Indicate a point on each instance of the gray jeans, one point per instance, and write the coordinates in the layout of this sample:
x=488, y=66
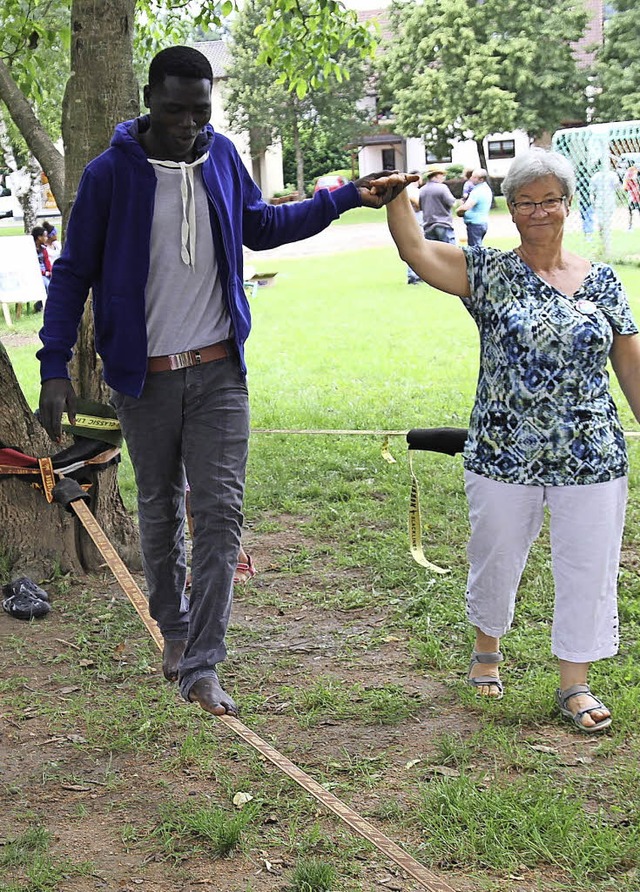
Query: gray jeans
x=193, y=420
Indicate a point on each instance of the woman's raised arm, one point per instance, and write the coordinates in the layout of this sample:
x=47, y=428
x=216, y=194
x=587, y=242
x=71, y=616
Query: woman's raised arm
x=437, y=263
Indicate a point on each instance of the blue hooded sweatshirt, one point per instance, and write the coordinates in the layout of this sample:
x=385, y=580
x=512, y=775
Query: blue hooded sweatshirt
x=107, y=249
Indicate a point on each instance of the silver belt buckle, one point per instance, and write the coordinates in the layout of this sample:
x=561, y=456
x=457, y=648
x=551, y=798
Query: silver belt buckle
x=181, y=360
x=184, y=360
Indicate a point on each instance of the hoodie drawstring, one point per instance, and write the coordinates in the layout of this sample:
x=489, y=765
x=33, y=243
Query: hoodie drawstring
x=187, y=191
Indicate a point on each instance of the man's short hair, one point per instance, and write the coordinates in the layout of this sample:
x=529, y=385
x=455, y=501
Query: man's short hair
x=37, y=231
x=179, y=61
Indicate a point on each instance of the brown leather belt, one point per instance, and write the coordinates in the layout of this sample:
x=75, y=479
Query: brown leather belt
x=189, y=358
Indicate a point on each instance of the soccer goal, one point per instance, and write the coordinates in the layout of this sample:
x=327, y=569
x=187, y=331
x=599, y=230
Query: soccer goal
x=606, y=207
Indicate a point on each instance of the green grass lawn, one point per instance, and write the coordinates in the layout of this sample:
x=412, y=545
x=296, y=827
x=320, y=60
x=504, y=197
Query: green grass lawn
x=342, y=343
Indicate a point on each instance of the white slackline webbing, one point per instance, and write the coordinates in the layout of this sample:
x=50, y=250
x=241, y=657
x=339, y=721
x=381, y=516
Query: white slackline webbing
x=129, y=586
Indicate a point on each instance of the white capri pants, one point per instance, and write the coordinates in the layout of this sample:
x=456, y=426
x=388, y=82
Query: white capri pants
x=586, y=536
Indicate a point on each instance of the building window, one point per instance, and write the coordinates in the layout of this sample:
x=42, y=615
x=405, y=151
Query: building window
x=388, y=159
x=431, y=157
x=501, y=148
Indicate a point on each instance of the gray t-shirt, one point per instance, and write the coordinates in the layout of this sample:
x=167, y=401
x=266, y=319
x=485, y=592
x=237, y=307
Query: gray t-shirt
x=185, y=309
x=436, y=201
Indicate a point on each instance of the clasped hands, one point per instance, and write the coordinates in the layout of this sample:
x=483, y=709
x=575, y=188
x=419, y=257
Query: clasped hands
x=378, y=189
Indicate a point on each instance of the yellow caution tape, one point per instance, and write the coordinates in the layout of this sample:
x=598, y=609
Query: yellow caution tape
x=415, y=525
x=386, y=452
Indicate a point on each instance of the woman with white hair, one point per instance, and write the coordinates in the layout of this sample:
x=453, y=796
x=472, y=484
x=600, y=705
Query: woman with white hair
x=544, y=430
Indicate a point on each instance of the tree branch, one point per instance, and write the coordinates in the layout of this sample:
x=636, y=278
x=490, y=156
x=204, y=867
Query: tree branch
x=36, y=137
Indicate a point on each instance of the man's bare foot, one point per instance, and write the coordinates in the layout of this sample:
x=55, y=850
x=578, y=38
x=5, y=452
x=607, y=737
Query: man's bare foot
x=171, y=656
x=484, y=675
x=211, y=697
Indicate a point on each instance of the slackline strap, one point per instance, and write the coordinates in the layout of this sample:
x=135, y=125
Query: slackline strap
x=93, y=421
x=415, y=524
x=390, y=849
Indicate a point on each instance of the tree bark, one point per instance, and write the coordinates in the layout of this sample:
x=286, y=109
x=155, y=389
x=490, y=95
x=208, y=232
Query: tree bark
x=298, y=151
x=101, y=91
x=27, y=198
x=481, y=154
x=34, y=536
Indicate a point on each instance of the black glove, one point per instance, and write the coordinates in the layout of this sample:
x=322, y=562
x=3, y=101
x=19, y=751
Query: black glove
x=384, y=193
x=56, y=395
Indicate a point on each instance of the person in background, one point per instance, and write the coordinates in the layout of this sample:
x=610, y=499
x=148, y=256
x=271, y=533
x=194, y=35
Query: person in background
x=40, y=240
x=156, y=233
x=50, y=229
x=603, y=189
x=53, y=247
x=544, y=429
x=468, y=185
x=413, y=191
x=631, y=186
x=436, y=202
x=475, y=209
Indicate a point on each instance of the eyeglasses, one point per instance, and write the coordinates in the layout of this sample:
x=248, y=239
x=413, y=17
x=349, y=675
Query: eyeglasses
x=526, y=208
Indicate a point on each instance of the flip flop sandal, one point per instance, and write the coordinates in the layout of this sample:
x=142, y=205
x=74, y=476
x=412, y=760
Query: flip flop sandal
x=576, y=717
x=244, y=571
x=486, y=680
x=21, y=599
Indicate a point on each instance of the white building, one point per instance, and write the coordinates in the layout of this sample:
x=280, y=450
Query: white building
x=265, y=167
x=499, y=150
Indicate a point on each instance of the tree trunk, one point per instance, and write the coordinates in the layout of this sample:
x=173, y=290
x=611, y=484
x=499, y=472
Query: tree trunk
x=298, y=153
x=36, y=137
x=27, y=197
x=34, y=536
x=481, y=154
x=101, y=91
x=483, y=164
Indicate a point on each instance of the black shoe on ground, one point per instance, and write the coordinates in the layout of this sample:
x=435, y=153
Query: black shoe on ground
x=23, y=599
x=24, y=584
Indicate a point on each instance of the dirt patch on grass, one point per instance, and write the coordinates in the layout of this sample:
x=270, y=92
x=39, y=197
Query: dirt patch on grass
x=101, y=752
x=18, y=339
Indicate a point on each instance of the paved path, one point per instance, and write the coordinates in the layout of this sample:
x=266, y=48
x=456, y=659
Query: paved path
x=356, y=236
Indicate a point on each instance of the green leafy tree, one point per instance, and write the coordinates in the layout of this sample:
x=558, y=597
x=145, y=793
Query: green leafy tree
x=321, y=155
x=464, y=69
x=307, y=42
x=618, y=66
x=258, y=102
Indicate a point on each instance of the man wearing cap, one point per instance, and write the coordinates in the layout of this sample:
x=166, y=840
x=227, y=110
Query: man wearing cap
x=436, y=202
x=475, y=209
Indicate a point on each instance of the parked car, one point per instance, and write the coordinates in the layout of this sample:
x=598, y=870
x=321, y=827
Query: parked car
x=6, y=203
x=330, y=182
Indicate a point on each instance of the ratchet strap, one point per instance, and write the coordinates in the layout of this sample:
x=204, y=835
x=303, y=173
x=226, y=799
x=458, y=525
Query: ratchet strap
x=449, y=440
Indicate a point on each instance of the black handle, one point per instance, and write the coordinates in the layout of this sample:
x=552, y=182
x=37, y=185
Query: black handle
x=449, y=440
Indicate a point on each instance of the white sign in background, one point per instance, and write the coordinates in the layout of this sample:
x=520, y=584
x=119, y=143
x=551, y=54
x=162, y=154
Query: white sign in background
x=20, y=276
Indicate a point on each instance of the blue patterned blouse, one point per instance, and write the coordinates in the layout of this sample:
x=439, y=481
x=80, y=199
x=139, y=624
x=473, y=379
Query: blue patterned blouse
x=543, y=413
